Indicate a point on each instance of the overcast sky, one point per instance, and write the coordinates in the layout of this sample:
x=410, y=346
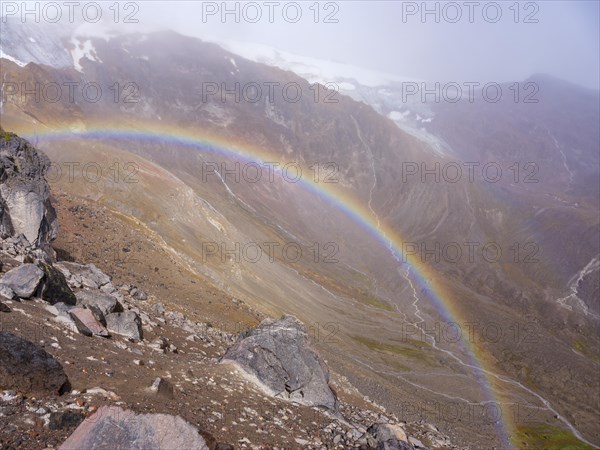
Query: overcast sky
x=554, y=37
x=456, y=41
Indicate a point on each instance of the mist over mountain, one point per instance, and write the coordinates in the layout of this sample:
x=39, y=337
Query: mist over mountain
x=436, y=242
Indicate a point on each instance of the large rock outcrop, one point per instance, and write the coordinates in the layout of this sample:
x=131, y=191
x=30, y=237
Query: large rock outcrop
x=277, y=355
x=113, y=428
x=25, y=207
x=54, y=287
x=26, y=367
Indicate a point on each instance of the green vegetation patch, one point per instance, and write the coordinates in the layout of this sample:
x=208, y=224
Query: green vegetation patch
x=543, y=436
x=374, y=301
x=413, y=349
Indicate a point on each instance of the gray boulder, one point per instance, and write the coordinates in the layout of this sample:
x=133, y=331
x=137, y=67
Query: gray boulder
x=126, y=324
x=23, y=280
x=114, y=428
x=278, y=356
x=104, y=302
x=25, y=206
x=26, y=367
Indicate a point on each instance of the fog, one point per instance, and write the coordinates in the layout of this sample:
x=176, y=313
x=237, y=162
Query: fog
x=455, y=41
x=435, y=41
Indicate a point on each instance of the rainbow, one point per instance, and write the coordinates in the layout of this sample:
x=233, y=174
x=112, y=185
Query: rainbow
x=352, y=207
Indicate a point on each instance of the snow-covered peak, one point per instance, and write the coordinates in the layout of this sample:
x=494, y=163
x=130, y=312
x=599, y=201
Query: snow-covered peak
x=312, y=69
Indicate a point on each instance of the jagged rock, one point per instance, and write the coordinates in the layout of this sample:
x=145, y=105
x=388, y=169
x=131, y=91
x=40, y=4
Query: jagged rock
x=25, y=206
x=27, y=367
x=112, y=427
x=54, y=286
x=108, y=288
x=87, y=275
x=86, y=323
x=278, y=357
x=126, y=324
x=105, y=303
x=160, y=344
x=162, y=388
x=389, y=437
x=4, y=308
x=61, y=420
x=23, y=280
x=7, y=292
x=139, y=295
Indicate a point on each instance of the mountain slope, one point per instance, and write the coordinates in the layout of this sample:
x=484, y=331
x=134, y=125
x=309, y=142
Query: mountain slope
x=366, y=297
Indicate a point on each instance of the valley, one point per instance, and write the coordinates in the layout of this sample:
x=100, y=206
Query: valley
x=357, y=235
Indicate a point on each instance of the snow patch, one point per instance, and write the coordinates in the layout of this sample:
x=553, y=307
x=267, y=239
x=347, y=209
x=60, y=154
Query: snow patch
x=397, y=115
x=10, y=58
x=83, y=49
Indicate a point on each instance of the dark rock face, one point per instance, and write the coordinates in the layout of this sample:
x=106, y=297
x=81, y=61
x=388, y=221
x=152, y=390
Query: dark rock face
x=26, y=367
x=126, y=324
x=278, y=355
x=55, y=288
x=4, y=308
x=60, y=420
x=24, y=194
x=113, y=428
x=23, y=280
